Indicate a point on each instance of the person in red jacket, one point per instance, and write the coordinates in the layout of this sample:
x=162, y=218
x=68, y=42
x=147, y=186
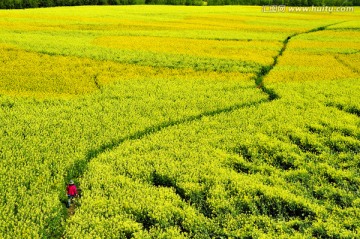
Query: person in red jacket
x=71, y=191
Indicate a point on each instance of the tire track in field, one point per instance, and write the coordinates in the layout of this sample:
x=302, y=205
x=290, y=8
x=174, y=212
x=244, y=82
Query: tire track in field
x=79, y=167
x=353, y=110
x=344, y=63
x=96, y=82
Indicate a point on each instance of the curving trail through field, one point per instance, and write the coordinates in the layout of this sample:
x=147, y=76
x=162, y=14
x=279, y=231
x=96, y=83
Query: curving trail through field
x=259, y=79
x=79, y=167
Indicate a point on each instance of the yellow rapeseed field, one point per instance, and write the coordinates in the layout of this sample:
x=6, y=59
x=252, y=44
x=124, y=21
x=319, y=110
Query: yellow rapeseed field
x=179, y=122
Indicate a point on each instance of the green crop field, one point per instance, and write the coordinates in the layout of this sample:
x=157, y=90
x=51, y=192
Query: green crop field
x=179, y=122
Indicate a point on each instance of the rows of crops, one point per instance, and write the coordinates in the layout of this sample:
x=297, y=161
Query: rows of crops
x=155, y=113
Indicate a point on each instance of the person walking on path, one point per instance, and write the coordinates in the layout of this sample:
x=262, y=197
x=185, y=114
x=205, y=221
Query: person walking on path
x=71, y=191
